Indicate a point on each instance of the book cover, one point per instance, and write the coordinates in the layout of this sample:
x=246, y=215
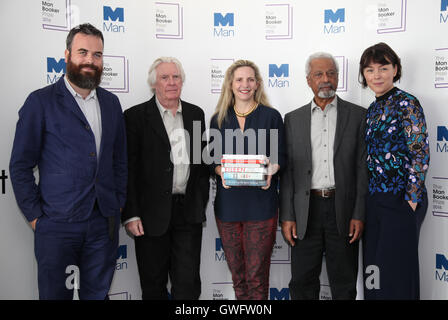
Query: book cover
x=243, y=176
x=245, y=183
x=260, y=169
x=244, y=158
x=243, y=165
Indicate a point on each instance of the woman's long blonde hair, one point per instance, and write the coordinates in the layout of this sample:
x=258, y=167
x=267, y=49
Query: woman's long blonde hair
x=227, y=98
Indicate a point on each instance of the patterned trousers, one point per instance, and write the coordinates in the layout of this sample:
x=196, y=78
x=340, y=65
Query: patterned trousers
x=248, y=248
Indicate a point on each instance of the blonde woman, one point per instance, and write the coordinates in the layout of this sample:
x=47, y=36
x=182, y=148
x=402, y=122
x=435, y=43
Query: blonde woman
x=247, y=216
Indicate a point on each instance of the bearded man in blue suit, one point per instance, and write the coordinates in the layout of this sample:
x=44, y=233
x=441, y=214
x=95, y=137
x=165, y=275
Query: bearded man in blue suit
x=74, y=132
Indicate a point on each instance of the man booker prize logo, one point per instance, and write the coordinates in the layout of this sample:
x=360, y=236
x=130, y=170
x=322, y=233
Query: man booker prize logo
x=113, y=20
x=440, y=197
x=278, y=21
x=276, y=294
x=223, y=25
x=441, y=268
x=58, y=14
x=442, y=138
x=169, y=21
x=441, y=68
x=334, y=21
x=278, y=76
x=219, y=251
x=443, y=11
x=122, y=256
x=55, y=69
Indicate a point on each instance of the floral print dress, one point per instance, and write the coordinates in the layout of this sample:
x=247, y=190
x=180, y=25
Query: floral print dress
x=397, y=145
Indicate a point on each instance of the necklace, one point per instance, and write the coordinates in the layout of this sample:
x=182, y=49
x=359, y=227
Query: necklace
x=245, y=114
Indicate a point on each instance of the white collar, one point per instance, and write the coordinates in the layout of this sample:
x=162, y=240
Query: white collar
x=75, y=94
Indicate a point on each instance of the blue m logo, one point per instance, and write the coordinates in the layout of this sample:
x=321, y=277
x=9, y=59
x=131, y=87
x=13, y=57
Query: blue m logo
x=338, y=16
x=113, y=15
x=441, y=262
x=56, y=66
x=282, y=71
x=442, y=133
x=220, y=20
x=443, y=5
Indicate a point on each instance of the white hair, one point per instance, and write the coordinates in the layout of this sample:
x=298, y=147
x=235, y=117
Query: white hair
x=152, y=73
x=319, y=55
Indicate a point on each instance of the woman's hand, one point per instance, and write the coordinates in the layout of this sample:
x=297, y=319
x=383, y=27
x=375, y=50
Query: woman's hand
x=218, y=171
x=272, y=169
x=413, y=205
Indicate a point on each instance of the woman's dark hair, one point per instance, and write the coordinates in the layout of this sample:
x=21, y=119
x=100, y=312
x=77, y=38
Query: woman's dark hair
x=379, y=53
x=85, y=28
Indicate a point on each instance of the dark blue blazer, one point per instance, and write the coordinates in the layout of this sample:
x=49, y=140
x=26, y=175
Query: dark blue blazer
x=53, y=134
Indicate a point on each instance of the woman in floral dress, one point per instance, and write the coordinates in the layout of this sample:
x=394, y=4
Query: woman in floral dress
x=398, y=159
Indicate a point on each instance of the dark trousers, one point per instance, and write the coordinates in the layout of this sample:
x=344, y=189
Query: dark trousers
x=341, y=257
x=176, y=254
x=62, y=248
x=391, y=245
x=248, y=248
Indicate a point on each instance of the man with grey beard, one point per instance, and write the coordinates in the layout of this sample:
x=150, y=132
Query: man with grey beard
x=323, y=187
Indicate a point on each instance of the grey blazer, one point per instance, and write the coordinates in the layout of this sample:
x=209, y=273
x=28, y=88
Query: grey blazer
x=349, y=161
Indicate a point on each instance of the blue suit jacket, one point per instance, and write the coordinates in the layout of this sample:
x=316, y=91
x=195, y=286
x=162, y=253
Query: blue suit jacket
x=53, y=134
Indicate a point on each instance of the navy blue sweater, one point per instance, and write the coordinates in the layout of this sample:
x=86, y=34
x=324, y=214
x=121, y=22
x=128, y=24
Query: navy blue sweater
x=248, y=203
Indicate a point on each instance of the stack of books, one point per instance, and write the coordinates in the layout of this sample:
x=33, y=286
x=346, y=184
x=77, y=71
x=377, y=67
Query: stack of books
x=244, y=170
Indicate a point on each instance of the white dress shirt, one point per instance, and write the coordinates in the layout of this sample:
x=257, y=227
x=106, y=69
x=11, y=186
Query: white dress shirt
x=323, y=129
x=174, y=126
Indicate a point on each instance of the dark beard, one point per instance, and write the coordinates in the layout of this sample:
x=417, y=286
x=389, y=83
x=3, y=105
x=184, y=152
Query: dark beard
x=83, y=80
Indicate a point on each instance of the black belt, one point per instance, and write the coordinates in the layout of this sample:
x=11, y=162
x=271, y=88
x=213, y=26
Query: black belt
x=178, y=197
x=323, y=193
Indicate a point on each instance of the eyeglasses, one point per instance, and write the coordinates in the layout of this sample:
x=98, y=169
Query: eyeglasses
x=332, y=74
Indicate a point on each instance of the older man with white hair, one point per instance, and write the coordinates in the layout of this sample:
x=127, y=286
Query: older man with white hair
x=168, y=186
x=324, y=185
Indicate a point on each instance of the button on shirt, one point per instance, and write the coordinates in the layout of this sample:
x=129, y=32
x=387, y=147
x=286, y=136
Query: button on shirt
x=323, y=129
x=90, y=107
x=174, y=127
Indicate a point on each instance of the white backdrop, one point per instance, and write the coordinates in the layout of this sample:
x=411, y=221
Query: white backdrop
x=207, y=35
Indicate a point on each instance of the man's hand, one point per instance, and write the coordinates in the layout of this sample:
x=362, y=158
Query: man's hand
x=135, y=227
x=356, y=229
x=289, y=230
